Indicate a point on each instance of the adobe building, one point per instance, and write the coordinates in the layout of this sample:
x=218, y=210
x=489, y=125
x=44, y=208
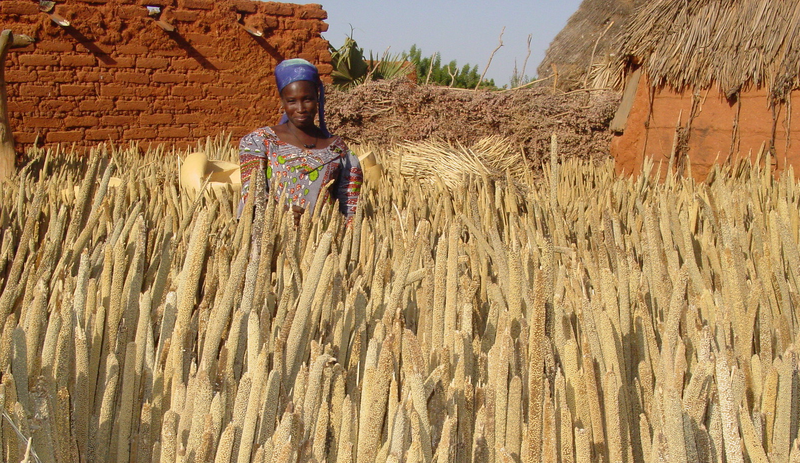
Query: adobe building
x=151, y=71
x=723, y=74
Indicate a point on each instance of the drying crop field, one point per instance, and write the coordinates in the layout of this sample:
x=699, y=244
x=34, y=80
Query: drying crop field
x=573, y=317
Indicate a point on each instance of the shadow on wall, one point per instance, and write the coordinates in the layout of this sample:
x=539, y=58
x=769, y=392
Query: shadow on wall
x=91, y=46
x=191, y=51
x=268, y=48
x=179, y=40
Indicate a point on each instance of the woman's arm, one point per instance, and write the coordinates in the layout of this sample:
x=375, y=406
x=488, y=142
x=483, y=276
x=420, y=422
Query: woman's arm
x=348, y=185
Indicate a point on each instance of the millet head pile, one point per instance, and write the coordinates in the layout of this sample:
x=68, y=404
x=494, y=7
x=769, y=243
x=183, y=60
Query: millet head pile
x=583, y=317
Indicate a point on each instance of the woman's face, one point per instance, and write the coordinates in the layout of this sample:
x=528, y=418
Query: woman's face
x=299, y=100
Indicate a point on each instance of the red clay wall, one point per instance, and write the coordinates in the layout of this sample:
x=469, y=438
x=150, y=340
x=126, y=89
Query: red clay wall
x=650, y=130
x=116, y=75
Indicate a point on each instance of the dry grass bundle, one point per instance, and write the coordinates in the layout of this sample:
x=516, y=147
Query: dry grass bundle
x=453, y=163
x=588, y=317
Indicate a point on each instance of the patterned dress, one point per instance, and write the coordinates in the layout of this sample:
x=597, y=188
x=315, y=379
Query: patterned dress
x=303, y=173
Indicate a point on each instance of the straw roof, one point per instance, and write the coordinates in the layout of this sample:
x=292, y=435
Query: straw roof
x=733, y=44
x=573, y=49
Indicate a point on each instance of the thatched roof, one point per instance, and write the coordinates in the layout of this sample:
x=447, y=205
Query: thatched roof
x=732, y=44
x=573, y=49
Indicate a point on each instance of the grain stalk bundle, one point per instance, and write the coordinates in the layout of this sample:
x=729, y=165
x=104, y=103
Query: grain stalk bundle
x=483, y=318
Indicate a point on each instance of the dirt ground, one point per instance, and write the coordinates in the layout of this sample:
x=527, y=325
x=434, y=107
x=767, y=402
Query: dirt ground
x=383, y=112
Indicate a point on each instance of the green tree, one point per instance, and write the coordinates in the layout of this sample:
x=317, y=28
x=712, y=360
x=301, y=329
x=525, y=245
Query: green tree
x=445, y=74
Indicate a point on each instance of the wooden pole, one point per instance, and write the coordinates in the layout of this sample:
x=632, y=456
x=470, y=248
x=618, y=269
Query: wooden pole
x=7, y=156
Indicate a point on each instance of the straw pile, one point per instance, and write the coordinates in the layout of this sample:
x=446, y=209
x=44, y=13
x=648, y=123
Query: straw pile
x=437, y=161
x=584, y=317
x=727, y=43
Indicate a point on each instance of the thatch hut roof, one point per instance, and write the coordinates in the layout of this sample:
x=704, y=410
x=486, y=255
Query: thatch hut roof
x=733, y=44
x=573, y=49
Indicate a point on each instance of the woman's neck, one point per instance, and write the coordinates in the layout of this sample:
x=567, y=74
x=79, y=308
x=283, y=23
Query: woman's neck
x=310, y=137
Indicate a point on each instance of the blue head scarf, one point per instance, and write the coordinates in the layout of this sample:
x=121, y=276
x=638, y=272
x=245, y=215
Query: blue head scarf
x=293, y=70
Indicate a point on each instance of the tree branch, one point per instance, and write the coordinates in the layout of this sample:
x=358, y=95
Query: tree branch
x=452, y=75
x=490, y=58
x=525, y=63
x=430, y=68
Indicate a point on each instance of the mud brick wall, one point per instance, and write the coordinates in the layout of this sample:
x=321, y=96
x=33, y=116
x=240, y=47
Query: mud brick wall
x=719, y=130
x=115, y=75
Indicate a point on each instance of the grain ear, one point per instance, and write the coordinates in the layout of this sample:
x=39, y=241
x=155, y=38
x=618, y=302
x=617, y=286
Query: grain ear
x=480, y=317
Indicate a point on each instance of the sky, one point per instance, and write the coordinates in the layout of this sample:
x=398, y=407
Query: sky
x=466, y=31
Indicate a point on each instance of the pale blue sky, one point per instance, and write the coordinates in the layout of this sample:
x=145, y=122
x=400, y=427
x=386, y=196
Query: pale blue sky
x=466, y=31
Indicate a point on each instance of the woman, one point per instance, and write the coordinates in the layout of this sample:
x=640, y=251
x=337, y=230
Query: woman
x=298, y=156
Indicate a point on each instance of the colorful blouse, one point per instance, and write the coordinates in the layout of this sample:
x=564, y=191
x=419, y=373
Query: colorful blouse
x=302, y=172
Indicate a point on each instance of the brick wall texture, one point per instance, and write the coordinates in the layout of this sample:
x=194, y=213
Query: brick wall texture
x=116, y=75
